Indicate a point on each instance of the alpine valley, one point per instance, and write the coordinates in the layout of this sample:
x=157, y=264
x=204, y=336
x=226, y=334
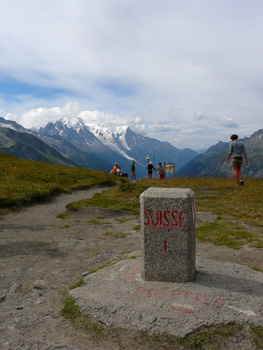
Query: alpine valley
x=74, y=142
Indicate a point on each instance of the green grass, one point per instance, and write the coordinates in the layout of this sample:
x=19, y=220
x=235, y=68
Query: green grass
x=63, y=216
x=237, y=207
x=23, y=181
x=115, y=234
x=64, y=226
x=227, y=233
x=255, y=268
x=257, y=335
x=219, y=196
x=94, y=222
x=72, y=311
x=77, y=284
x=125, y=196
x=122, y=220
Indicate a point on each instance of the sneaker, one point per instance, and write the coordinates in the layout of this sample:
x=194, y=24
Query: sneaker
x=241, y=182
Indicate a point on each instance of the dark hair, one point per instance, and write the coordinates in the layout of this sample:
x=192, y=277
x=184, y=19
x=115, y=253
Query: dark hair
x=234, y=137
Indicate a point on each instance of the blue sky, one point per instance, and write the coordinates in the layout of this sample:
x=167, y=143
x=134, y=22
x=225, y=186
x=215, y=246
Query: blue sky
x=188, y=72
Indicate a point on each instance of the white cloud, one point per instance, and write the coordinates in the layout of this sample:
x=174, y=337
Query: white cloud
x=162, y=127
x=188, y=131
x=119, y=60
x=41, y=116
x=97, y=117
x=199, y=116
x=229, y=123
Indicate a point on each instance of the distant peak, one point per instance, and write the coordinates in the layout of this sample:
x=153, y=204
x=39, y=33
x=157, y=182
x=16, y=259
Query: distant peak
x=72, y=121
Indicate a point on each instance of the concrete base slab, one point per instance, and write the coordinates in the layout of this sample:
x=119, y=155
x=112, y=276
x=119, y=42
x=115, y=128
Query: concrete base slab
x=221, y=293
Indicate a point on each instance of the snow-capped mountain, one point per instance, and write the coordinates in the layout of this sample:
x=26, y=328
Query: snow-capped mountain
x=112, y=137
x=116, y=143
x=82, y=137
x=99, y=146
x=90, y=136
x=72, y=129
x=74, y=142
x=22, y=143
x=4, y=123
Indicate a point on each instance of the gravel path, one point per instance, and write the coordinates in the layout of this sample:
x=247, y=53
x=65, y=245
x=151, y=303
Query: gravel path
x=41, y=255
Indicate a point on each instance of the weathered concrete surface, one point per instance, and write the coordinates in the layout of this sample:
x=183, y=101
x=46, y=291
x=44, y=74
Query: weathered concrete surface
x=221, y=293
x=168, y=234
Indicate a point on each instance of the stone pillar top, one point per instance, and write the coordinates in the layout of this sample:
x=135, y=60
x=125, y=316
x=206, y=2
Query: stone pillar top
x=157, y=192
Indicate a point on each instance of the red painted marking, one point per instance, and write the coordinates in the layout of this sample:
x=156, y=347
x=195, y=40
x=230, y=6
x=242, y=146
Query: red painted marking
x=186, y=293
x=166, y=219
x=175, y=224
x=148, y=220
x=165, y=245
x=182, y=219
x=191, y=297
x=218, y=300
x=206, y=300
x=194, y=208
x=187, y=311
x=174, y=294
x=140, y=289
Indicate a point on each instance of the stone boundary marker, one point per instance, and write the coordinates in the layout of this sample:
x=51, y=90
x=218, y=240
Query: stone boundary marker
x=168, y=234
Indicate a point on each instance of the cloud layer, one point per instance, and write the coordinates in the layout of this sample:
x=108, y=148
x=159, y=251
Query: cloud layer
x=188, y=72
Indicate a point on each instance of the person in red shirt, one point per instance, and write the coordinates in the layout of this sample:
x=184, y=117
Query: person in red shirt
x=161, y=171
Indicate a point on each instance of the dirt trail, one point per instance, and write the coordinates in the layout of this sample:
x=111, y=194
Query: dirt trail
x=42, y=255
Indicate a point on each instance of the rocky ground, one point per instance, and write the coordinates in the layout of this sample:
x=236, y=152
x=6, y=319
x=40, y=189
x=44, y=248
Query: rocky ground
x=43, y=254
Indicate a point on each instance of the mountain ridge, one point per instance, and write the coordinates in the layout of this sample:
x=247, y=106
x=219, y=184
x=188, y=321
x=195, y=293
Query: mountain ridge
x=27, y=146
x=117, y=144
x=99, y=146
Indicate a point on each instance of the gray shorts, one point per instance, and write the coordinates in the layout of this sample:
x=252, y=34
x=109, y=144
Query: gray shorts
x=237, y=162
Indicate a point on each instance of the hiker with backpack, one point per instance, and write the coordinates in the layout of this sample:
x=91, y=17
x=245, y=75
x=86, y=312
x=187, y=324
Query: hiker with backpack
x=150, y=169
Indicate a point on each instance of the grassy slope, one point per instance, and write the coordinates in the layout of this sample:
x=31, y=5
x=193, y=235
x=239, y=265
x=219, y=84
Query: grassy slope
x=22, y=181
x=239, y=208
